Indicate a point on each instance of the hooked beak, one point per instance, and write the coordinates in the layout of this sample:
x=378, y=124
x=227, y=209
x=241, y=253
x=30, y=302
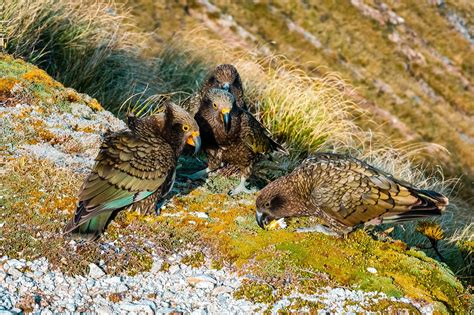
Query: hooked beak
x=226, y=86
x=195, y=140
x=261, y=219
x=225, y=116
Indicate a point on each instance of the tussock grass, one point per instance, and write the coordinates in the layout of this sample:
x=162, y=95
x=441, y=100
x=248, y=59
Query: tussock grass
x=93, y=47
x=306, y=112
x=88, y=45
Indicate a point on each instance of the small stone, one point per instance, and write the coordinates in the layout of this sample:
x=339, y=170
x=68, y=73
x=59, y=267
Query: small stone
x=174, y=269
x=151, y=304
x=136, y=307
x=204, y=285
x=104, y=310
x=46, y=311
x=199, y=312
x=38, y=273
x=201, y=215
x=222, y=289
x=372, y=270
x=71, y=307
x=95, y=271
x=15, y=273
x=120, y=288
x=199, y=278
x=165, y=310
x=156, y=267
x=113, y=280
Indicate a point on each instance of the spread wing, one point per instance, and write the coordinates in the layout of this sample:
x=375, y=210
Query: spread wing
x=257, y=137
x=353, y=192
x=127, y=170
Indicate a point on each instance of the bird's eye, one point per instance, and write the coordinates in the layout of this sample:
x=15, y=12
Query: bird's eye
x=185, y=128
x=267, y=205
x=214, y=105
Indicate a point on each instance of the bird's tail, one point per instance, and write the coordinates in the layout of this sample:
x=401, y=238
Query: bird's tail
x=430, y=204
x=91, y=229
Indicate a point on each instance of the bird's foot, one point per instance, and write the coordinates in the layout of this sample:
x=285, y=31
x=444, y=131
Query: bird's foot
x=159, y=204
x=198, y=175
x=241, y=188
x=319, y=229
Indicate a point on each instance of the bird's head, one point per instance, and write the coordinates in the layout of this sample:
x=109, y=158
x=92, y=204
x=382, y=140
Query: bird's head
x=220, y=104
x=277, y=200
x=181, y=128
x=225, y=77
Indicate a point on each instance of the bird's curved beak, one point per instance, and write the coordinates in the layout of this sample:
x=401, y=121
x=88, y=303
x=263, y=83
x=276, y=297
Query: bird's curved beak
x=225, y=116
x=261, y=219
x=195, y=140
x=226, y=86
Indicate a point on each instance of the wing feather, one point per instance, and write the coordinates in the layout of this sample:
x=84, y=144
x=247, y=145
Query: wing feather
x=354, y=192
x=123, y=174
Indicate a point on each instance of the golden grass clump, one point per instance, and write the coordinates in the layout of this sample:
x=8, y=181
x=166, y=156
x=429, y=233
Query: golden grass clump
x=431, y=230
x=306, y=112
x=89, y=45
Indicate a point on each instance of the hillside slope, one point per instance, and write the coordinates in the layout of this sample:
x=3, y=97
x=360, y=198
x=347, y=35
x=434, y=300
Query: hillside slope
x=50, y=135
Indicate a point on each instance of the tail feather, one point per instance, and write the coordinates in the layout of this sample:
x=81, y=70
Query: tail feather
x=430, y=201
x=430, y=204
x=91, y=229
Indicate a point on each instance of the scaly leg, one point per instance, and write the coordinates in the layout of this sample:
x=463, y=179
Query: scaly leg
x=241, y=188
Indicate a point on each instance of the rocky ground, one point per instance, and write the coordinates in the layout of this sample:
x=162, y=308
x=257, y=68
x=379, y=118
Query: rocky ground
x=34, y=286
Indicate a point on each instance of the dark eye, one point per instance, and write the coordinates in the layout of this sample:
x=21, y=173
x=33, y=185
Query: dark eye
x=214, y=105
x=185, y=128
x=267, y=204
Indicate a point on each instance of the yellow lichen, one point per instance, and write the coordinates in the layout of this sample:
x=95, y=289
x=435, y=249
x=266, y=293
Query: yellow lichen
x=256, y=292
x=95, y=105
x=40, y=76
x=195, y=260
x=6, y=84
x=72, y=96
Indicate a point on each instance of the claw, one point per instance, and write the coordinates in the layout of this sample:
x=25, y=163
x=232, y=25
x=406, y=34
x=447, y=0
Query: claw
x=159, y=204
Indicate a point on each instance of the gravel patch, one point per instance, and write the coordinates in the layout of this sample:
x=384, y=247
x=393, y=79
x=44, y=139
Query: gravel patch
x=181, y=289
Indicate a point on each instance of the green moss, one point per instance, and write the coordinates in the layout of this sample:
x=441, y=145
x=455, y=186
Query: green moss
x=195, y=260
x=300, y=305
x=165, y=266
x=255, y=292
x=390, y=307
